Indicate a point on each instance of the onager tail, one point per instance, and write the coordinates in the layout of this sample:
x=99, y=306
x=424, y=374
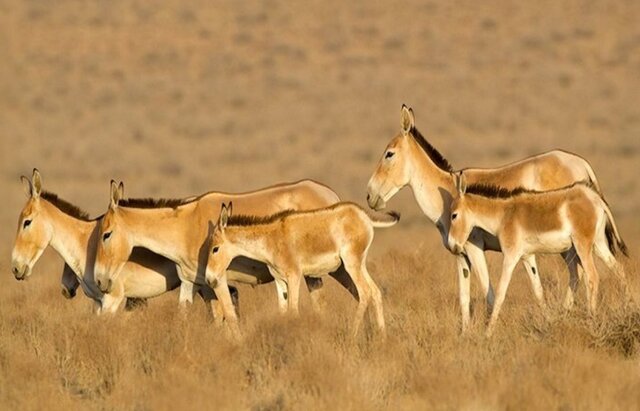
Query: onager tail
x=380, y=220
x=592, y=178
x=611, y=231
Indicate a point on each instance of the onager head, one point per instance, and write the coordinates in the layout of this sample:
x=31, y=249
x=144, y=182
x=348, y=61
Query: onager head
x=221, y=251
x=114, y=245
x=34, y=230
x=393, y=171
x=461, y=219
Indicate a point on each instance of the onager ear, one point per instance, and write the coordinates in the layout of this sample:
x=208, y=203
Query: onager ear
x=224, y=217
x=116, y=192
x=120, y=191
x=37, y=184
x=461, y=183
x=407, y=120
x=230, y=208
x=28, y=187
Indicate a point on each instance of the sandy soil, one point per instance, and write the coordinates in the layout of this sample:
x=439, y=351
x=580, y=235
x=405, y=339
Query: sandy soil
x=188, y=97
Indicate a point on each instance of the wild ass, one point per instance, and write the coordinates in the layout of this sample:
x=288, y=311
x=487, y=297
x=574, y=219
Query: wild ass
x=47, y=220
x=295, y=245
x=410, y=160
x=178, y=229
x=573, y=221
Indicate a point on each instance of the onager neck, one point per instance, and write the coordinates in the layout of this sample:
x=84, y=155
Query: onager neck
x=72, y=240
x=164, y=231
x=431, y=185
x=487, y=213
x=251, y=241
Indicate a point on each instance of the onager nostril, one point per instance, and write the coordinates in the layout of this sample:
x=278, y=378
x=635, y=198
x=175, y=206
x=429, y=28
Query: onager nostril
x=14, y=270
x=368, y=197
x=99, y=283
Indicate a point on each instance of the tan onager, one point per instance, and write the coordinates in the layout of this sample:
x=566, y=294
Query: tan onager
x=409, y=160
x=299, y=244
x=573, y=221
x=46, y=219
x=179, y=229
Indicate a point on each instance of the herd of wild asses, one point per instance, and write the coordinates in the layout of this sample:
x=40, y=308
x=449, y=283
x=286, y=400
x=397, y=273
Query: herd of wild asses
x=300, y=232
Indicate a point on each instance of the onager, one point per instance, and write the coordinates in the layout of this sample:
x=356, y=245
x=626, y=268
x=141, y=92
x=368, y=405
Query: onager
x=573, y=221
x=47, y=220
x=298, y=244
x=178, y=230
x=409, y=160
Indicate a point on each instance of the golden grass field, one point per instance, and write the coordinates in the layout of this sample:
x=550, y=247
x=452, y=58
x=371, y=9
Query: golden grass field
x=184, y=97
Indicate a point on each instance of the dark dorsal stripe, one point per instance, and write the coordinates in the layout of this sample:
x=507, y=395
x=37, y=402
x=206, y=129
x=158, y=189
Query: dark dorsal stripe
x=493, y=191
x=154, y=202
x=435, y=156
x=65, y=206
x=247, y=220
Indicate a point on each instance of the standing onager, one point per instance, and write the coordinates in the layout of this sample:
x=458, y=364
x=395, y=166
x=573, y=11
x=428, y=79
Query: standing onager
x=178, y=230
x=48, y=220
x=298, y=244
x=410, y=160
x=572, y=221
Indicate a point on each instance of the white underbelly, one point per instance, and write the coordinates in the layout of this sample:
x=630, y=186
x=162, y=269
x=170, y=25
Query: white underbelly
x=148, y=286
x=549, y=242
x=321, y=265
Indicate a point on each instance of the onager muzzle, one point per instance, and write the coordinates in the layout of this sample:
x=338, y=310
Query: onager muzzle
x=105, y=286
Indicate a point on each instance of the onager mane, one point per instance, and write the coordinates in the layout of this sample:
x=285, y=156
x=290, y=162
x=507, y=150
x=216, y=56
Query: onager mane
x=249, y=220
x=155, y=202
x=431, y=151
x=65, y=206
x=493, y=191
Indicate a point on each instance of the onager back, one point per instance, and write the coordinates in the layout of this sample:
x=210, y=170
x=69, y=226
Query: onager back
x=305, y=243
x=572, y=221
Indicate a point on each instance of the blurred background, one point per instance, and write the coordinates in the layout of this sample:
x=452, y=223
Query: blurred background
x=186, y=97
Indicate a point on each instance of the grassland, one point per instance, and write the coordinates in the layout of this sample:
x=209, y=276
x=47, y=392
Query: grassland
x=181, y=98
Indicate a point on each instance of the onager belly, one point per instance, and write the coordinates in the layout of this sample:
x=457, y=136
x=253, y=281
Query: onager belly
x=548, y=242
x=247, y=271
x=148, y=284
x=321, y=264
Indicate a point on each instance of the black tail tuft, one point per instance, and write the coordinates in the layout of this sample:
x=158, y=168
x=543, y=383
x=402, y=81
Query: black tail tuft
x=611, y=241
x=394, y=214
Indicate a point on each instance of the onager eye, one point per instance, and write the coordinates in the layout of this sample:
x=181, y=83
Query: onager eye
x=215, y=249
x=106, y=236
x=454, y=216
x=26, y=224
x=389, y=154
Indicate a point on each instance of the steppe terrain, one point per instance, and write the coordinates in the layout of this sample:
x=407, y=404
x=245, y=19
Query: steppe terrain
x=181, y=97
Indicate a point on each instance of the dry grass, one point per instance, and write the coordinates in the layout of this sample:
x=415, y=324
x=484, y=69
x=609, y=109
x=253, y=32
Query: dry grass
x=177, y=98
x=153, y=358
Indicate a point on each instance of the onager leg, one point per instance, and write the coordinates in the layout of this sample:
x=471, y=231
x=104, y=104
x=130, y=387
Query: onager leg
x=376, y=296
x=209, y=298
x=534, y=277
x=603, y=251
x=586, y=256
x=314, y=285
x=222, y=293
x=293, y=285
x=112, y=301
x=186, y=293
x=475, y=253
x=572, y=260
x=69, y=282
x=508, y=264
x=354, y=267
x=464, y=290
